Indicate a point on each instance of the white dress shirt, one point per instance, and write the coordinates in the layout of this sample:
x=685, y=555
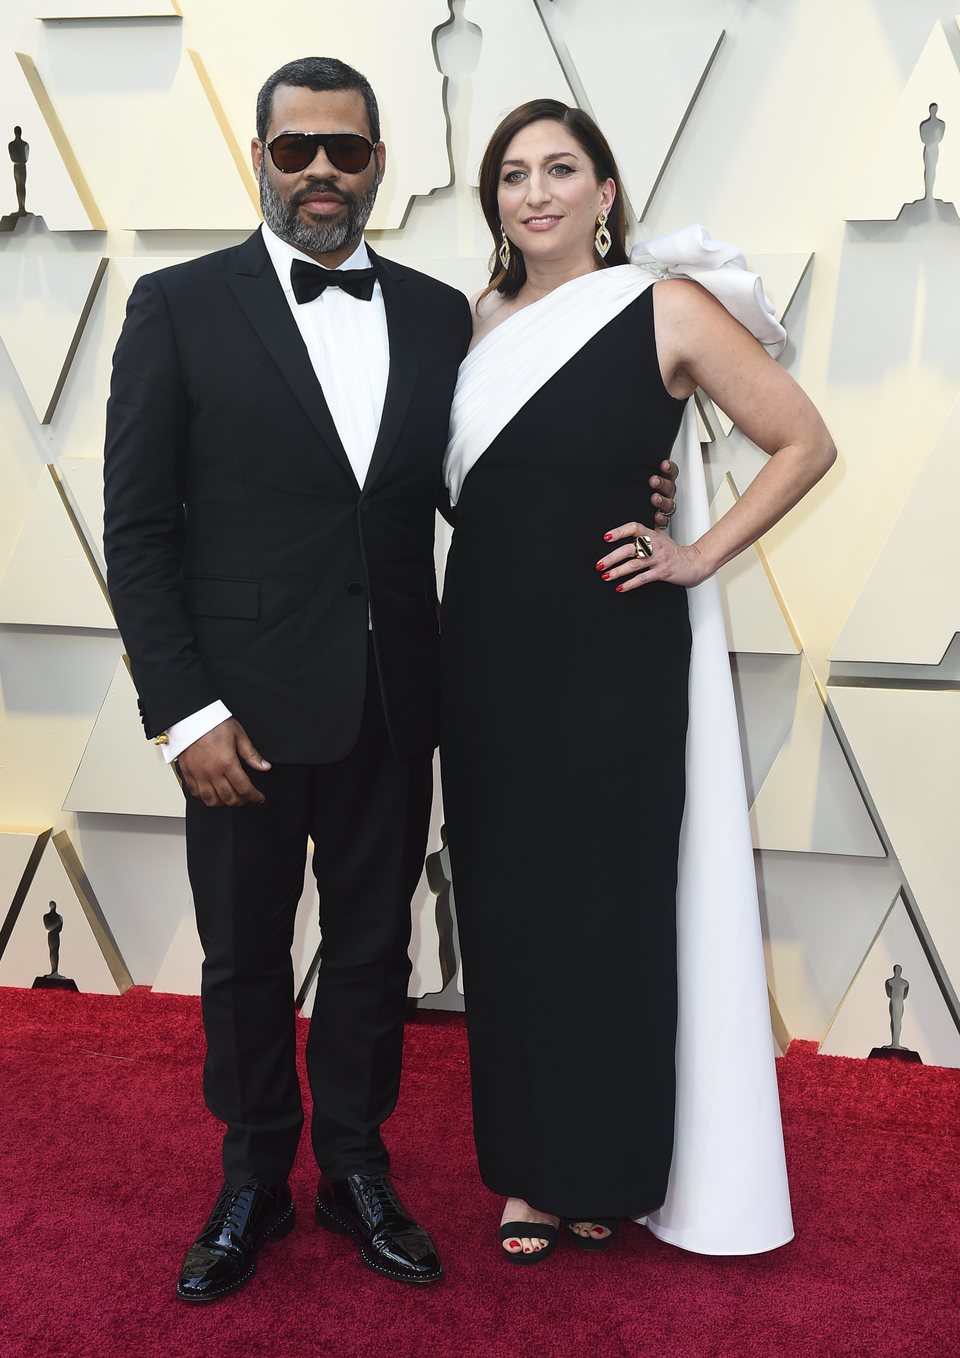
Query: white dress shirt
x=346, y=340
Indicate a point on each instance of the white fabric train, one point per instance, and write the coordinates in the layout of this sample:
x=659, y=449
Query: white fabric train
x=728, y=1190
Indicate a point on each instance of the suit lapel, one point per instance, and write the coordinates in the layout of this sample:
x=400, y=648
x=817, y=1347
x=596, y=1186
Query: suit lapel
x=403, y=363
x=256, y=287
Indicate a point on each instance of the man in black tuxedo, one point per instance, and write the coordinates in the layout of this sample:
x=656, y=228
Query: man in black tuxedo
x=274, y=440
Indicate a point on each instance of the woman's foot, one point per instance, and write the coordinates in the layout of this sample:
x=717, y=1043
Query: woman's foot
x=516, y=1211
x=590, y=1230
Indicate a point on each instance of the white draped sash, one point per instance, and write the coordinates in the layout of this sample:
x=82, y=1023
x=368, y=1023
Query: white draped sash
x=728, y=1190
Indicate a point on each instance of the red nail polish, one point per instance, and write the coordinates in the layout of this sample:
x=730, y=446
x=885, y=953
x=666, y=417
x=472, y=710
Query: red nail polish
x=601, y=565
x=606, y=575
x=608, y=537
x=619, y=589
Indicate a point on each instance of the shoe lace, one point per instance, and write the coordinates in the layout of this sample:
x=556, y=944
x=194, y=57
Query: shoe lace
x=380, y=1191
x=232, y=1208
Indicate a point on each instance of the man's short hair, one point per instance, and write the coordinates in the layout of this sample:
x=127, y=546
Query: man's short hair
x=317, y=73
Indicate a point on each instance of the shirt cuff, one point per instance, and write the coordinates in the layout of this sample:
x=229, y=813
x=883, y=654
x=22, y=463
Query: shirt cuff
x=185, y=732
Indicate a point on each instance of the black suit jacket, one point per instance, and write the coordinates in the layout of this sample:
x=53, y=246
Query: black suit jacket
x=242, y=556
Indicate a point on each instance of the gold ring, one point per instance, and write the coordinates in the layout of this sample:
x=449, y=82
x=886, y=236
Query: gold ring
x=643, y=546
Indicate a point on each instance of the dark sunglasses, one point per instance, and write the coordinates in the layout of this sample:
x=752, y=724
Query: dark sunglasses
x=346, y=151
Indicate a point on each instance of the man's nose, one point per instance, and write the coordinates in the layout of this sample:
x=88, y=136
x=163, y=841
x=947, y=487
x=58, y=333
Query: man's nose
x=320, y=167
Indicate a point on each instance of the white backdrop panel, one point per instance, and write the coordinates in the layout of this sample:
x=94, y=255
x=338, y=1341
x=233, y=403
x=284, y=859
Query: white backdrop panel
x=501, y=82
x=643, y=116
x=105, y=9
x=907, y=745
x=48, y=580
x=809, y=801
x=192, y=177
x=916, y=579
x=45, y=298
x=120, y=771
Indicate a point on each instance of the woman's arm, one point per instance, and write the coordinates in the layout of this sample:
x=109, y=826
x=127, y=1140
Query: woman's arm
x=699, y=344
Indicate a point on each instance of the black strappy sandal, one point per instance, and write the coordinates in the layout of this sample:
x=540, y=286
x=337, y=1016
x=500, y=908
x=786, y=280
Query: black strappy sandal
x=592, y=1242
x=533, y=1230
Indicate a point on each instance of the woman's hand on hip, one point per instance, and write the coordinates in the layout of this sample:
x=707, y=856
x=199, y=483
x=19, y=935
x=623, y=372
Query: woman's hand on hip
x=627, y=566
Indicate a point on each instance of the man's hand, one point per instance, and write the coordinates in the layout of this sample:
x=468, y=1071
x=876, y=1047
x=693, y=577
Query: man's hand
x=664, y=487
x=212, y=770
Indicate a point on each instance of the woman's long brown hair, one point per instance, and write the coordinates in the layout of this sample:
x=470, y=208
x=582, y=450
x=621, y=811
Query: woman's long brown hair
x=588, y=136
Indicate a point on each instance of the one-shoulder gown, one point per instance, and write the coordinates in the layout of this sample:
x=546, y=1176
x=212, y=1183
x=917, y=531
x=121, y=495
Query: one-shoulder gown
x=563, y=745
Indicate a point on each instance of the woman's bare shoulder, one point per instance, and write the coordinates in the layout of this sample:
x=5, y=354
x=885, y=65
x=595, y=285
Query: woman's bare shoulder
x=488, y=309
x=682, y=302
x=485, y=305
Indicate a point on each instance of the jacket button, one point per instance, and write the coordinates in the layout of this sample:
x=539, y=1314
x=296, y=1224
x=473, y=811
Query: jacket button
x=355, y=587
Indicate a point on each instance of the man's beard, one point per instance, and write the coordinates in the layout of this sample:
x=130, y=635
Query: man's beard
x=318, y=237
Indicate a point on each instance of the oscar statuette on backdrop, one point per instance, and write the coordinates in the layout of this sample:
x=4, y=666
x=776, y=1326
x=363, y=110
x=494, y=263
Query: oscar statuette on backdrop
x=897, y=988
x=19, y=152
x=53, y=923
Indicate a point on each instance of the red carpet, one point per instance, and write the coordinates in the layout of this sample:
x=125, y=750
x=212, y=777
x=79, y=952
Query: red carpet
x=110, y=1165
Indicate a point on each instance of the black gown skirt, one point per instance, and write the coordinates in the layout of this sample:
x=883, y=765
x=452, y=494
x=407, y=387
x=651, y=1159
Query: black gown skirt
x=563, y=743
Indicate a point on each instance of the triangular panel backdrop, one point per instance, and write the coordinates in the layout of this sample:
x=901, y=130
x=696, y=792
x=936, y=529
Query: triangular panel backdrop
x=848, y=710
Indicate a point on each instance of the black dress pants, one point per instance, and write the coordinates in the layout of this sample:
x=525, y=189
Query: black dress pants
x=368, y=816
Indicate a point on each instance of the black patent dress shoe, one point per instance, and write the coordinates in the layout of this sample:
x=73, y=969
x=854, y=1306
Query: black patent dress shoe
x=366, y=1207
x=224, y=1255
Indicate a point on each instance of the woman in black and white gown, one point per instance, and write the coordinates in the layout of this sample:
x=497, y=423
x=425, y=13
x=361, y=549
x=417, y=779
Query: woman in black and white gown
x=566, y=624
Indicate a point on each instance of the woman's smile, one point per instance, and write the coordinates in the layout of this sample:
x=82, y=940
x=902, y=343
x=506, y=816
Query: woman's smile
x=541, y=223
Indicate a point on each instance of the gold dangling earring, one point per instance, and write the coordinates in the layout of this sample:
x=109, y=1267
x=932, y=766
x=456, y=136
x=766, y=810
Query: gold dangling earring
x=504, y=251
x=603, y=239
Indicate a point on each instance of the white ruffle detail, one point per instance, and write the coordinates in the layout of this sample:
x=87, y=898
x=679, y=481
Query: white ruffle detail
x=692, y=253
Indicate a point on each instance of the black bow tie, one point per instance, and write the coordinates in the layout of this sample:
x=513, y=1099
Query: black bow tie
x=309, y=280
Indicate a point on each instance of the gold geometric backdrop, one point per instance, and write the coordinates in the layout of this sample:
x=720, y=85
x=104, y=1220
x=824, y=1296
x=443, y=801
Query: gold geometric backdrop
x=823, y=140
